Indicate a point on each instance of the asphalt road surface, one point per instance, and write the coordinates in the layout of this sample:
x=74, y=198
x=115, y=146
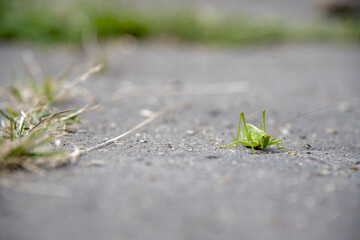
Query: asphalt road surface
x=169, y=180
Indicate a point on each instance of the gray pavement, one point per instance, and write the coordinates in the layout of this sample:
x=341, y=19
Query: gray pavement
x=169, y=180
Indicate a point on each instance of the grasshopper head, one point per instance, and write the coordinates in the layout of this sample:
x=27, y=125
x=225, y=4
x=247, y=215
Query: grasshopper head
x=264, y=141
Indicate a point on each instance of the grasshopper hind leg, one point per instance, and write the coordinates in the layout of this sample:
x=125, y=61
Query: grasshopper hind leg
x=231, y=144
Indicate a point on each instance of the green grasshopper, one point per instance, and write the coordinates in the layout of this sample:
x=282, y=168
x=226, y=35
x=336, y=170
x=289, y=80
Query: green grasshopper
x=254, y=137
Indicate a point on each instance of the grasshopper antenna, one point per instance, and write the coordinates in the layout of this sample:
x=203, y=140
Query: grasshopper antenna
x=303, y=114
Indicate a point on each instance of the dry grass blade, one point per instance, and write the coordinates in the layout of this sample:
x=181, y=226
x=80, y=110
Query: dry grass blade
x=50, y=117
x=151, y=118
x=80, y=111
x=78, y=80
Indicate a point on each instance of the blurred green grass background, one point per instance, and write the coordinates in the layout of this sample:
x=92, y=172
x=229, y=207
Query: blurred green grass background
x=70, y=21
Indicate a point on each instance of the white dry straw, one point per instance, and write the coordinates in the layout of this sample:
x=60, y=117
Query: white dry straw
x=78, y=80
x=151, y=118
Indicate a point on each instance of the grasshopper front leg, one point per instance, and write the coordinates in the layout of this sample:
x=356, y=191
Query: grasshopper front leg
x=276, y=141
x=262, y=122
x=248, y=136
x=236, y=143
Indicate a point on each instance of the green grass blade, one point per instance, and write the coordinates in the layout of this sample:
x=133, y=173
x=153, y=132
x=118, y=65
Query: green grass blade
x=11, y=112
x=5, y=115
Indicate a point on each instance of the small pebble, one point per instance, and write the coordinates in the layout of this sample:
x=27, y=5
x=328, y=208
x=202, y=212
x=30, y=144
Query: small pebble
x=190, y=132
x=308, y=146
x=323, y=173
x=330, y=131
x=57, y=142
x=355, y=168
x=146, y=112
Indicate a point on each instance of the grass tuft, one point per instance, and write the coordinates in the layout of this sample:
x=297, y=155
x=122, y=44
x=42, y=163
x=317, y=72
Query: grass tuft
x=27, y=131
